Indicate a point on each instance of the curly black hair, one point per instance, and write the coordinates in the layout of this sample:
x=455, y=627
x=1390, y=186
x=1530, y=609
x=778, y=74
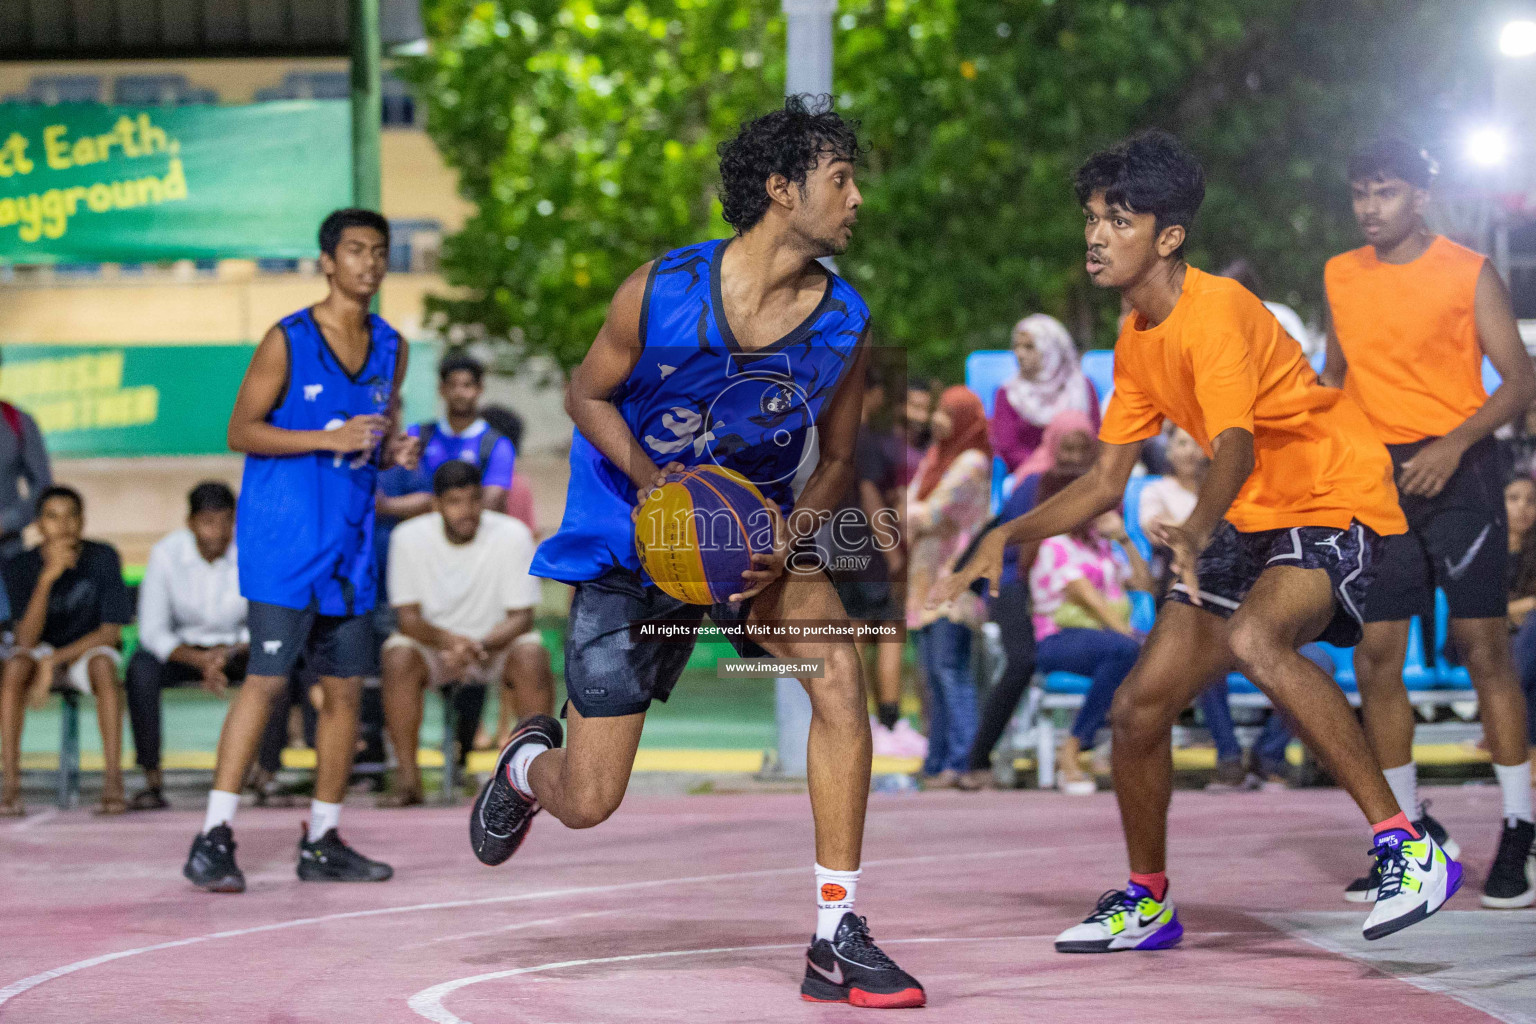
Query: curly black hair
x=1148, y=173
x=788, y=141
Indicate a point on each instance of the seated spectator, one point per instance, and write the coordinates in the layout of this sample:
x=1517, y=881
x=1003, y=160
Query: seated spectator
x=1069, y=446
x=1521, y=444
x=1049, y=382
x=1520, y=506
x=191, y=624
x=1169, y=500
x=73, y=608
x=459, y=583
x=946, y=503
x=1083, y=625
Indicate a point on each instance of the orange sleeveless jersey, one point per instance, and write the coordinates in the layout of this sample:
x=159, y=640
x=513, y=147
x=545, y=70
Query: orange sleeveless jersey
x=1409, y=335
x=1221, y=360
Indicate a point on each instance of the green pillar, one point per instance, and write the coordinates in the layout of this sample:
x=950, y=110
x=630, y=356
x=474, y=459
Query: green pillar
x=367, y=103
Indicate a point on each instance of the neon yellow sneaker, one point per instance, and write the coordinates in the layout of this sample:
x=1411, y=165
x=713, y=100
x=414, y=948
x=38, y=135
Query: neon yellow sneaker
x=1416, y=880
x=1126, y=918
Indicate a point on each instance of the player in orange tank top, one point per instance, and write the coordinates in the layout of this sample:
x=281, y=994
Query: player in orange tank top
x=1275, y=555
x=1412, y=315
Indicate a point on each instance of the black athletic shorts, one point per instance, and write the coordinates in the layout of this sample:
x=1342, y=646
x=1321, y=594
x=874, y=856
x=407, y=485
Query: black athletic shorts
x=332, y=645
x=1457, y=540
x=608, y=671
x=1232, y=562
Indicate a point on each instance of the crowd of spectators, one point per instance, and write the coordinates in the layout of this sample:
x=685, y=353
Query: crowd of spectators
x=455, y=538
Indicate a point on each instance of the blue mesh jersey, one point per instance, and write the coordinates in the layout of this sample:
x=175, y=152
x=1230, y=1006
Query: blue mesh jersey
x=305, y=522
x=696, y=397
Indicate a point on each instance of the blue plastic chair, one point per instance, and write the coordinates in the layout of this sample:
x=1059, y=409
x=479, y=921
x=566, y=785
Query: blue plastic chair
x=1131, y=512
x=1452, y=677
x=1099, y=368
x=1067, y=682
x=985, y=372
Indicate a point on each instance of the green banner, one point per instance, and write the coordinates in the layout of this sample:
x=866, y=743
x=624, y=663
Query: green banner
x=151, y=399
x=89, y=183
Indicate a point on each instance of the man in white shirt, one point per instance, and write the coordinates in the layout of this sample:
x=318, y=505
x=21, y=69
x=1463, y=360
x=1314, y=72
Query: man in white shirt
x=191, y=623
x=459, y=583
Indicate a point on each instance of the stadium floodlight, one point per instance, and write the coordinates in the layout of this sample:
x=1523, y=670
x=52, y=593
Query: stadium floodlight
x=1488, y=147
x=1518, y=39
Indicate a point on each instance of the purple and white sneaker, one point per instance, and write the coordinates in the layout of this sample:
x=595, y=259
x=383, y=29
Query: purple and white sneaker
x=1126, y=918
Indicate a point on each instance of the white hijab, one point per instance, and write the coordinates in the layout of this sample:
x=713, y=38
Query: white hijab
x=1060, y=385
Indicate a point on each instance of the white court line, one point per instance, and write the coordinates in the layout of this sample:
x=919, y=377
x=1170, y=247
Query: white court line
x=16, y=988
x=1461, y=994
x=519, y=927
x=428, y=1002
x=33, y=820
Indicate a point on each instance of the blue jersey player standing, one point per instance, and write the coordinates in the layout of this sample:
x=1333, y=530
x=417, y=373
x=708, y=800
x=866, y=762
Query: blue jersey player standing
x=728, y=352
x=315, y=417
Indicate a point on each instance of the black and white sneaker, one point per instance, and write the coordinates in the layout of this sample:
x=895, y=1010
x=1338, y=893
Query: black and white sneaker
x=499, y=820
x=211, y=862
x=328, y=859
x=852, y=969
x=1425, y=823
x=1365, y=888
x=1511, y=881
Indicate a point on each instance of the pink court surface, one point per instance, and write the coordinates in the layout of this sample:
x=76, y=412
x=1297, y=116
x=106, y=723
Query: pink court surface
x=697, y=908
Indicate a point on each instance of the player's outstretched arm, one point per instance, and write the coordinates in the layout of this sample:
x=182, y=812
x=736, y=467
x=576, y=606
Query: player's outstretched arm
x=607, y=365
x=1095, y=492
x=262, y=390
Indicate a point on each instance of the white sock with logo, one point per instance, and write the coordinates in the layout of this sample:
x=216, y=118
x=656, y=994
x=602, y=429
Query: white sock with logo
x=517, y=768
x=1515, y=785
x=834, y=898
x=1404, y=782
x=322, y=818
x=221, y=809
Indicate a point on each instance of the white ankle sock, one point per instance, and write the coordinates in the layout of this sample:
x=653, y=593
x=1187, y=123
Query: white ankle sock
x=834, y=898
x=221, y=809
x=1404, y=781
x=517, y=768
x=1515, y=785
x=322, y=818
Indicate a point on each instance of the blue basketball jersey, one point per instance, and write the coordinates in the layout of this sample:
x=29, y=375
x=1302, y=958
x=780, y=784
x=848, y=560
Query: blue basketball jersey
x=696, y=397
x=305, y=522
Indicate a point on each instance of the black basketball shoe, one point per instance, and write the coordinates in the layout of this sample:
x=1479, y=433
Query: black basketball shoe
x=852, y=969
x=328, y=859
x=499, y=820
x=211, y=863
x=1512, y=879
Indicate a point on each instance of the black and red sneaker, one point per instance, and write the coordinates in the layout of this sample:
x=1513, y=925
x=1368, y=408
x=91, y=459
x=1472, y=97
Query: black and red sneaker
x=852, y=969
x=499, y=820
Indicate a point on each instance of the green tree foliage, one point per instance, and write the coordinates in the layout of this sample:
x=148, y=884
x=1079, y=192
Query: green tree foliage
x=585, y=130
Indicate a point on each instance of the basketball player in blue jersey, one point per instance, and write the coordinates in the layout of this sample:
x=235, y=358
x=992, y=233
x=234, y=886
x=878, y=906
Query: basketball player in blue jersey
x=729, y=352
x=315, y=417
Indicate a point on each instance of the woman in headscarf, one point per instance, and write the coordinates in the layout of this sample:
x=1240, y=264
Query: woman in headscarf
x=1050, y=382
x=945, y=504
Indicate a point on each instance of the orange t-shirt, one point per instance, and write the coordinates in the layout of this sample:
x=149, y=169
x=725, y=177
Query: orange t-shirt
x=1222, y=360
x=1409, y=335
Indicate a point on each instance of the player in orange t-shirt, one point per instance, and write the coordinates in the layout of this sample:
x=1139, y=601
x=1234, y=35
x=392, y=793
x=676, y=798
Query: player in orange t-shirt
x=1275, y=555
x=1412, y=314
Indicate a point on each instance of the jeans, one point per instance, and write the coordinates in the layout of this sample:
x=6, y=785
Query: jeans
x=1524, y=646
x=1104, y=656
x=1010, y=610
x=945, y=650
x=1269, y=748
x=145, y=678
